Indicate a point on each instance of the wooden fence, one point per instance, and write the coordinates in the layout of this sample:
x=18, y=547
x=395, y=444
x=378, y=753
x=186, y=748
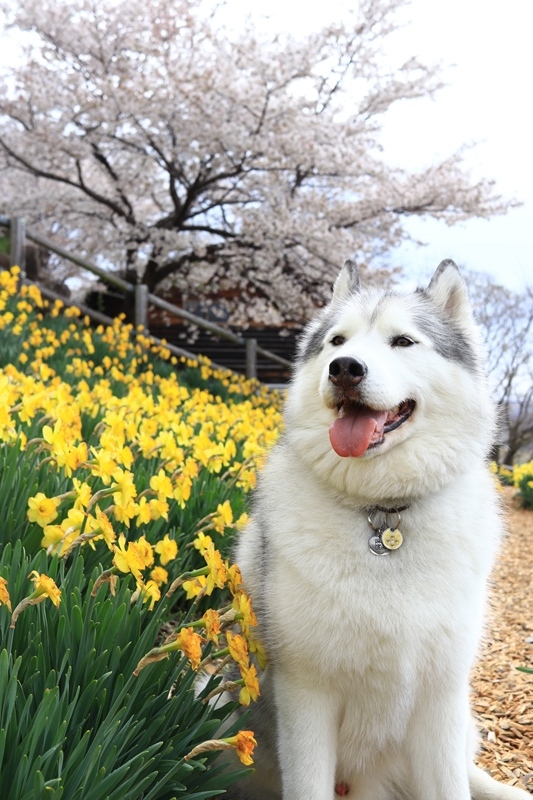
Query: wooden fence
x=19, y=234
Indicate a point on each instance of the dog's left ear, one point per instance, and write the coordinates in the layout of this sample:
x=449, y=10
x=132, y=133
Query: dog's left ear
x=447, y=289
x=347, y=281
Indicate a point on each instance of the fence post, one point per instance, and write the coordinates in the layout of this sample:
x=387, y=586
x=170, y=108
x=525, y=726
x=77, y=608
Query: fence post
x=141, y=306
x=251, y=358
x=17, y=238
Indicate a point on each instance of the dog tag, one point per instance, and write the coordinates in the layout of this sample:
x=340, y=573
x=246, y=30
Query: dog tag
x=377, y=547
x=392, y=539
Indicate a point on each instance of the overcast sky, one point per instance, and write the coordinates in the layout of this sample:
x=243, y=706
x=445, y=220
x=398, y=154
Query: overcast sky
x=486, y=51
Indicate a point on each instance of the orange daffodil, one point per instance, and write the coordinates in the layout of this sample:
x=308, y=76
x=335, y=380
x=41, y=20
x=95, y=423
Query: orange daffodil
x=187, y=640
x=243, y=744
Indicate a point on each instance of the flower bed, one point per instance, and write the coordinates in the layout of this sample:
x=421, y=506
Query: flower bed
x=124, y=474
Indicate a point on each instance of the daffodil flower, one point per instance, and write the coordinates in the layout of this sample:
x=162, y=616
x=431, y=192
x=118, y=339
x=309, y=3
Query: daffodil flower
x=44, y=587
x=243, y=743
x=223, y=517
x=211, y=621
x=162, y=485
x=245, y=613
x=167, y=550
x=250, y=691
x=187, y=640
x=159, y=575
x=127, y=559
x=42, y=509
x=4, y=594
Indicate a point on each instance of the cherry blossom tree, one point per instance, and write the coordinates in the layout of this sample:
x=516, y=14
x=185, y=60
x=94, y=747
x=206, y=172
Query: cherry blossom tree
x=506, y=318
x=152, y=137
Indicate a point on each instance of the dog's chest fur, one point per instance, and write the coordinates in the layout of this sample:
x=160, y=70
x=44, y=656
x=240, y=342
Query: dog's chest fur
x=368, y=627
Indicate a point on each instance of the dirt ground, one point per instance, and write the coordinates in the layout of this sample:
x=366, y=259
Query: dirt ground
x=502, y=697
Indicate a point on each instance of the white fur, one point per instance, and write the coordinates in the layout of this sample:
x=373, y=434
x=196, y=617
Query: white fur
x=370, y=655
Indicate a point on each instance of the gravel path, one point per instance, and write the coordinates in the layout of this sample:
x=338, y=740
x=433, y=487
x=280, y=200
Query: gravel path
x=502, y=697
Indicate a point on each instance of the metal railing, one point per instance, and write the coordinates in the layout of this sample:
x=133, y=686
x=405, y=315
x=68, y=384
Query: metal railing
x=19, y=233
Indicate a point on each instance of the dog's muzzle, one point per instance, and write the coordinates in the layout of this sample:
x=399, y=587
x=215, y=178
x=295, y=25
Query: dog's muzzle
x=345, y=373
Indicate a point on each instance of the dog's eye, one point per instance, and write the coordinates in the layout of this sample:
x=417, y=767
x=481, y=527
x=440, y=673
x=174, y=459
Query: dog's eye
x=338, y=340
x=402, y=341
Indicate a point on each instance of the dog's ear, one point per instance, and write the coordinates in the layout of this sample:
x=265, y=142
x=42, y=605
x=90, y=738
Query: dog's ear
x=447, y=289
x=347, y=281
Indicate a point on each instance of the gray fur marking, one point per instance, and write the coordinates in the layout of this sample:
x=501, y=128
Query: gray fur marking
x=312, y=345
x=448, y=340
x=444, y=265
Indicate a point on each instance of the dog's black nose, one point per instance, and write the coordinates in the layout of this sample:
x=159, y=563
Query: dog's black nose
x=347, y=371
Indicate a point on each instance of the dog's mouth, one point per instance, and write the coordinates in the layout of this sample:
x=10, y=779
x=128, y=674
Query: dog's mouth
x=358, y=427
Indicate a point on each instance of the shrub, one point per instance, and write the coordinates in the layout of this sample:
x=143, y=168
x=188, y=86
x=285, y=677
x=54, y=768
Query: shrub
x=523, y=480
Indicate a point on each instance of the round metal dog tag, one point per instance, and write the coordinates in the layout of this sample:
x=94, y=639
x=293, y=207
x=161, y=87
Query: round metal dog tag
x=392, y=539
x=377, y=547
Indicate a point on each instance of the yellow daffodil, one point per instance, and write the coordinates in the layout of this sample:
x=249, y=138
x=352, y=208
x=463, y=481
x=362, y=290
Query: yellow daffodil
x=250, y=691
x=223, y=517
x=256, y=647
x=234, y=579
x=4, y=594
x=124, y=488
x=159, y=575
x=145, y=550
x=162, y=485
x=167, y=550
x=103, y=465
x=182, y=490
x=195, y=586
x=125, y=512
x=45, y=587
x=238, y=649
x=245, y=614
x=127, y=558
x=150, y=593
x=243, y=520
x=53, y=539
x=42, y=509
x=190, y=643
x=158, y=509
x=83, y=493
x=211, y=620
x=103, y=523
x=142, y=509
x=202, y=542
x=217, y=569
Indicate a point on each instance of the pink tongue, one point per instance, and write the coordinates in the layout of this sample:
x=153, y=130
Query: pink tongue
x=351, y=435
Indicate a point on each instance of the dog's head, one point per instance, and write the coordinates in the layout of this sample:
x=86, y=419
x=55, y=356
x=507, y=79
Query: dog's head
x=388, y=375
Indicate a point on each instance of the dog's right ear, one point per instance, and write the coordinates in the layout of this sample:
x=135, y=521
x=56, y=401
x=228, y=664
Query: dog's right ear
x=347, y=281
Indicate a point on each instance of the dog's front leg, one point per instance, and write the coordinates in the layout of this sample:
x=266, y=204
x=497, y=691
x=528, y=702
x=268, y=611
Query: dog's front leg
x=437, y=746
x=307, y=738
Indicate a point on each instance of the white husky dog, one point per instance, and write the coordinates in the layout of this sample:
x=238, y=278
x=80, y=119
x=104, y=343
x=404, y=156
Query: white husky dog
x=374, y=530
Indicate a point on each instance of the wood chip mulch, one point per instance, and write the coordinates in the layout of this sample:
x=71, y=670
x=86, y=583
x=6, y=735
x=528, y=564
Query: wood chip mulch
x=502, y=697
